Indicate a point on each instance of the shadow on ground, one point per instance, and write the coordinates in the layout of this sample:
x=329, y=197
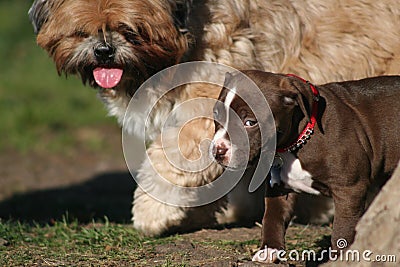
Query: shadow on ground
x=108, y=194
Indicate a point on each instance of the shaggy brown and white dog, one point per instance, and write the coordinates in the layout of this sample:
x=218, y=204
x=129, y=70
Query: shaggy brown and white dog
x=115, y=45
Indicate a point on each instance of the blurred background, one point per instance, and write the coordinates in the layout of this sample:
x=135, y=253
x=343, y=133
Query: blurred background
x=59, y=151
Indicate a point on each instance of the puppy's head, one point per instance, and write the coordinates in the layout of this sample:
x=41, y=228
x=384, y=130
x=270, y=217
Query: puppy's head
x=237, y=132
x=289, y=101
x=111, y=44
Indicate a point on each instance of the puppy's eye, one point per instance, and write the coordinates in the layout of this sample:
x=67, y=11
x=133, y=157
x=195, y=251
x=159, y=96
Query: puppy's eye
x=250, y=123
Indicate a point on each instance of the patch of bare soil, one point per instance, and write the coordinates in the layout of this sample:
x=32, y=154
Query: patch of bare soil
x=234, y=247
x=86, y=183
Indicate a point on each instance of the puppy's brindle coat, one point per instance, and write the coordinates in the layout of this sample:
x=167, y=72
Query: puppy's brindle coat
x=355, y=143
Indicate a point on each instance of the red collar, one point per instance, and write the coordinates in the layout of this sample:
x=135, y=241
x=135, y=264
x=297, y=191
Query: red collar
x=309, y=129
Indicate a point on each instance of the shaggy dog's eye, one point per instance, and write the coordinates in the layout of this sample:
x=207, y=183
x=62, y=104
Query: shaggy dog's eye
x=81, y=34
x=130, y=35
x=250, y=123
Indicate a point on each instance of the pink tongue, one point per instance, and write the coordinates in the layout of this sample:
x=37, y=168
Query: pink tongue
x=107, y=78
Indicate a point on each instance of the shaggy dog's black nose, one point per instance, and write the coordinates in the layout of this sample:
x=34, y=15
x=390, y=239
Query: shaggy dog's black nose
x=104, y=53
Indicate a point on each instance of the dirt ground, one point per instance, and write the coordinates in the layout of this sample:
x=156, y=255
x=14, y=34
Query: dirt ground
x=90, y=184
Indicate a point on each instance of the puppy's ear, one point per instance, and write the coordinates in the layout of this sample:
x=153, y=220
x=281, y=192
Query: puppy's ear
x=297, y=93
x=40, y=12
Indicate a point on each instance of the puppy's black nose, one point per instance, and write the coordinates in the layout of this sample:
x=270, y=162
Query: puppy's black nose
x=219, y=152
x=104, y=53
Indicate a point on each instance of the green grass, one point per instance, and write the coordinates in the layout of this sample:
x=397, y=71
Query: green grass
x=97, y=244
x=38, y=108
x=71, y=244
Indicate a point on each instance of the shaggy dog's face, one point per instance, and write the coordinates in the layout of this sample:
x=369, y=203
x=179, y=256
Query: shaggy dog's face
x=113, y=45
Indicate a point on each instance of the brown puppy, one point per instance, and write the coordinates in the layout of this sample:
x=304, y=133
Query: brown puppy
x=333, y=139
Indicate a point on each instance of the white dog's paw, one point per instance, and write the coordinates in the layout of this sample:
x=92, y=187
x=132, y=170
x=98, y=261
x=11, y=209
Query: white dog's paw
x=266, y=255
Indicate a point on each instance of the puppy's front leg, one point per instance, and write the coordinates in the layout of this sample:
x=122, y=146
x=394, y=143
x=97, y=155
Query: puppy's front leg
x=278, y=213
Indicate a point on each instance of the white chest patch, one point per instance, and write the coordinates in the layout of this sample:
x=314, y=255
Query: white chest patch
x=294, y=176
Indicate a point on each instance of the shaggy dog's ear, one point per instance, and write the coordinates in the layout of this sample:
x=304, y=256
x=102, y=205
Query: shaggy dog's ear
x=40, y=12
x=181, y=13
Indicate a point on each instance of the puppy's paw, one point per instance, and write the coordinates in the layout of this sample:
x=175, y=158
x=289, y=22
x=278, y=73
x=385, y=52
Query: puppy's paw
x=266, y=255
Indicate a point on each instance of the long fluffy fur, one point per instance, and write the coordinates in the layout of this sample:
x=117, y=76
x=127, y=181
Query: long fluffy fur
x=319, y=40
